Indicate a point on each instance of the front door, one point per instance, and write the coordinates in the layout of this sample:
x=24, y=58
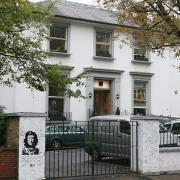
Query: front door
x=102, y=102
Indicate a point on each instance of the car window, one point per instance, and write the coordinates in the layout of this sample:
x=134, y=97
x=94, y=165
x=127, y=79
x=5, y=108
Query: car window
x=167, y=126
x=176, y=128
x=94, y=125
x=108, y=126
x=125, y=127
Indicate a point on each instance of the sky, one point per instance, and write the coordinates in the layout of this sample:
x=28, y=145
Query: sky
x=91, y=2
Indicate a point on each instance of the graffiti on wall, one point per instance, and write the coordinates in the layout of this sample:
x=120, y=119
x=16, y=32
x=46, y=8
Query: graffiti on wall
x=32, y=147
x=30, y=143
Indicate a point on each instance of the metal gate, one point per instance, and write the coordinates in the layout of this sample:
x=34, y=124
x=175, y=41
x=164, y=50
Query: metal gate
x=90, y=148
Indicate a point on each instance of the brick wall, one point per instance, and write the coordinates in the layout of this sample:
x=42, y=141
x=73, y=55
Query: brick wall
x=8, y=163
x=12, y=133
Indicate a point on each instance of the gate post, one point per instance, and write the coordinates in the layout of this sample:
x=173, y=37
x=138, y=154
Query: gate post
x=148, y=145
x=29, y=139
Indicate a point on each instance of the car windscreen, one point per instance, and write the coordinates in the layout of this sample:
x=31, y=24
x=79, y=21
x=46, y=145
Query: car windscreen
x=176, y=128
x=102, y=125
x=167, y=126
x=125, y=127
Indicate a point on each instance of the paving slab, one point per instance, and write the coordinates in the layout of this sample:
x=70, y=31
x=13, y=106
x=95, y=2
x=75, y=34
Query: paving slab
x=112, y=177
x=165, y=177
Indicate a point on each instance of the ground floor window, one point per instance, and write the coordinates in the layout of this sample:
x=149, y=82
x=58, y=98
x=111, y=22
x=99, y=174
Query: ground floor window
x=56, y=108
x=140, y=95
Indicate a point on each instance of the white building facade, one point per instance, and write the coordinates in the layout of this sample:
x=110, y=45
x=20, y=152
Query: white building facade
x=125, y=78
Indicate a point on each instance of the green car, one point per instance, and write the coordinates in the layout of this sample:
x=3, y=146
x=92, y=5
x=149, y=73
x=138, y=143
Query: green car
x=60, y=136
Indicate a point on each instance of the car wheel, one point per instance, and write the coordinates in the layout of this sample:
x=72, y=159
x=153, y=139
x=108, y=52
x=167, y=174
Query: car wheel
x=56, y=144
x=97, y=155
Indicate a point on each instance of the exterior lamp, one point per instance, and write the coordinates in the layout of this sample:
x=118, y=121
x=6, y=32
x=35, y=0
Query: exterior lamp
x=117, y=96
x=90, y=95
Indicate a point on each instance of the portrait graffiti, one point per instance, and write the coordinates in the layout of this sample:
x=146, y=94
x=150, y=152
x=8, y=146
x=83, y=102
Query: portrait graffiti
x=30, y=143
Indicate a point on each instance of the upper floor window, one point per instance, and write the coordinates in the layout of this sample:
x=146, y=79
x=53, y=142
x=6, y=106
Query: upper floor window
x=59, y=38
x=140, y=54
x=103, y=43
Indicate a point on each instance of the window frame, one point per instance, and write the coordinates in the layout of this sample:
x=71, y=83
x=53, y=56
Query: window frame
x=146, y=101
x=146, y=77
x=66, y=39
x=137, y=45
x=111, y=44
x=66, y=99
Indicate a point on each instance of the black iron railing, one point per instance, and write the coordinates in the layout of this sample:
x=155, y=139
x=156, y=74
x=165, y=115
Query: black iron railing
x=65, y=116
x=169, y=139
x=88, y=148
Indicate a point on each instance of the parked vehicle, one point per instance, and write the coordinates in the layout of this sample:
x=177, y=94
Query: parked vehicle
x=108, y=136
x=170, y=134
x=173, y=126
x=59, y=136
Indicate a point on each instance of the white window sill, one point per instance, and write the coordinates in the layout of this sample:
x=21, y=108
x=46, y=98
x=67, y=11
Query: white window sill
x=61, y=54
x=140, y=62
x=104, y=58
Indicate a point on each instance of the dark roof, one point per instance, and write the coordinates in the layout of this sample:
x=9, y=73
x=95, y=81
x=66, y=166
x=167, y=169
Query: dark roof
x=84, y=12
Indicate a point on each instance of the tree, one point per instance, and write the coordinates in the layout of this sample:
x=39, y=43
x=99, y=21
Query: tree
x=156, y=22
x=23, y=28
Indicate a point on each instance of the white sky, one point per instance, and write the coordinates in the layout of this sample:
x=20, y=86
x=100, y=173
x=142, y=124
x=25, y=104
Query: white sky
x=91, y=2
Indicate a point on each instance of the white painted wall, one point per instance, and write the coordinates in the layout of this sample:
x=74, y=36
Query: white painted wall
x=169, y=160
x=153, y=160
x=31, y=165
x=148, y=146
x=164, y=82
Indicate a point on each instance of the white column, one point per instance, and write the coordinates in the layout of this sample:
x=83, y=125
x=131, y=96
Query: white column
x=148, y=145
x=32, y=148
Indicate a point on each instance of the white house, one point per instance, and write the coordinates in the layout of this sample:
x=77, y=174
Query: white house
x=82, y=37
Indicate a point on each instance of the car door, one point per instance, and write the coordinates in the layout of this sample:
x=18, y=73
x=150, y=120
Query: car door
x=76, y=135
x=124, y=138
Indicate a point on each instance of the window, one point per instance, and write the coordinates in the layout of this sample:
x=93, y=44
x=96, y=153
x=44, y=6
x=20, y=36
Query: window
x=140, y=97
x=103, y=44
x=140, y=54
x=58, y=39
x=56, y=105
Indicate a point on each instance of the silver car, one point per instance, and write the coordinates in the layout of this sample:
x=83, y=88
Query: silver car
x=170, y=134
x=108, y=136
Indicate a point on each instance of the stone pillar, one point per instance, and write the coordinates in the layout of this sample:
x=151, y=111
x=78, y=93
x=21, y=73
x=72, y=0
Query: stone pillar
x=148, y=145
x=26, y=132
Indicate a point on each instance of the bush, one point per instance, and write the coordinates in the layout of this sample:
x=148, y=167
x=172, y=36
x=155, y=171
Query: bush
x=2, y=127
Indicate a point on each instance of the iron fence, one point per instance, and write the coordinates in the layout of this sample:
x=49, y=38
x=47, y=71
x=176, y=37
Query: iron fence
x=88, y=149
x=169, y=139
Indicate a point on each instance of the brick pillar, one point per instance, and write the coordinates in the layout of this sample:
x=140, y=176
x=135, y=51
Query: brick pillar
x=16, y=160
x=9, y=153
x=8, y=163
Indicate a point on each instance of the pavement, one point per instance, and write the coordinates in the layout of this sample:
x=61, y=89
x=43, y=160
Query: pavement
x=129, y=177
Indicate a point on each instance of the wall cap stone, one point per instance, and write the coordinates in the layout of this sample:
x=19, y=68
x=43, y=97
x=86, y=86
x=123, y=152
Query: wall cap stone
x=169, y=149
x=146, y=118
x=26, y=114
x=8, y=149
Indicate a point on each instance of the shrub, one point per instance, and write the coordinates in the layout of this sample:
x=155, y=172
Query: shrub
x=2, y=127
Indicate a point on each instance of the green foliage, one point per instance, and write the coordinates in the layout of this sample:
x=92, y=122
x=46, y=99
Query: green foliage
x=24, y=27
x=59, y=83
x=2, y=128
x=90, y=148
x=22, y=57
x=156, y=23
